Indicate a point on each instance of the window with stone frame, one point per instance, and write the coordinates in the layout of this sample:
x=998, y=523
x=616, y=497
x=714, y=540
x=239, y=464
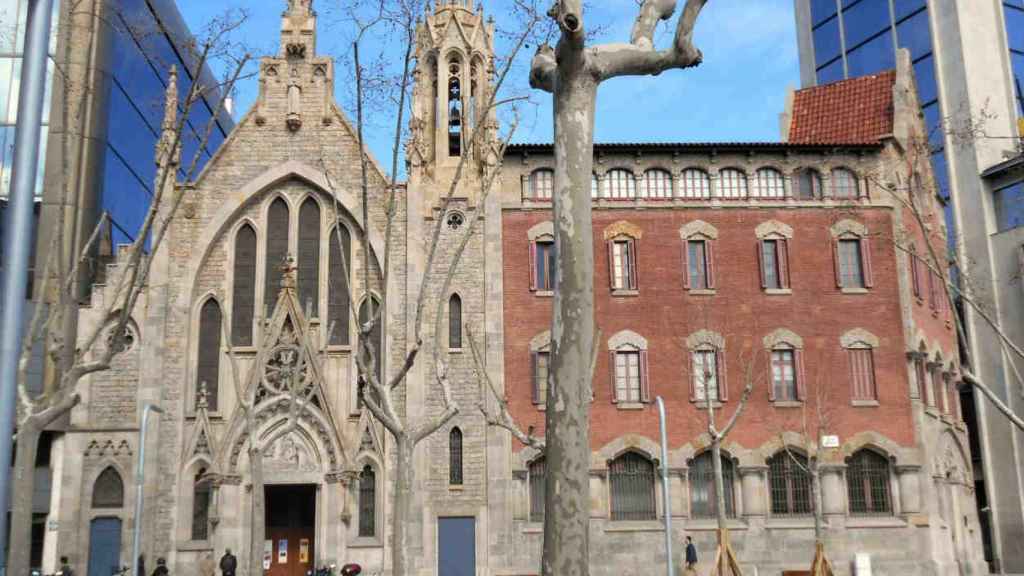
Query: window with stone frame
x=695, y=185
x=923, y=376
x=844, y=184
x=339, y=266
x=542, y=264
x=789, y=482
x=208, y=353
x=540, y=185
x=455, y=322
x=536, y=478
x=769, y=183
x=455, y=457
x=307, y=259
x=774, y=261
x=703, y=495
x=278, y=230
x=108, y=490
x=867, y=483
x=657, y=184
x=619, y=184
x=707, y=375
x=632, y=480
x=622, y=263
x=628, y=375
x=540, y=364
x=201, y=500
x=698, y=264
x=808, y=184
x=863, y=385
x=853, y=263
x=786, y=374
x=367, y=503
x=732, y=184
x=243, y=287
x=915, y=273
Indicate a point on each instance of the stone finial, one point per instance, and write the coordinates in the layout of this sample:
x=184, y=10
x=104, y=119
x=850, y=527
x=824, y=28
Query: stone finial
x=203, y=402
x=288, y=273
x=300, y=7
x=170, y=122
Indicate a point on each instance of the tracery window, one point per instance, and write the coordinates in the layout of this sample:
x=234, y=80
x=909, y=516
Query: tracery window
x=367, y=503
x=108, y=491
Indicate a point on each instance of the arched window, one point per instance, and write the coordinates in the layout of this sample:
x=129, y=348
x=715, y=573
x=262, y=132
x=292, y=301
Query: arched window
x=790, y=481
x=208, y=353
x=867, y=480
x=455, y=322
x=703, y=497
x=632, y=483
x=844, y=184
x=619, y=184
x=367, y=503
x=277, y=251
x=808, y=184
x=108, y=491
x=455, y=457
x=595, y=186
x=367, y=311
x=541, y=184
x=201, y=491
x=309, y=257
x=769, y=183
x=243, y=289
x=536, y=473
x=454, y=106
x=732, y=184
x=339, y=266
x=657, y=184
x=696, y=184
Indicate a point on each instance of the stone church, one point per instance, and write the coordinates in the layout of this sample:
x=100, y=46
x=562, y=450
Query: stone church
x=712, y=250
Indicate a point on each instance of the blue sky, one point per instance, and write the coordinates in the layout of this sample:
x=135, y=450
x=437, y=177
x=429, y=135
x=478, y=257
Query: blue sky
x=750, y=60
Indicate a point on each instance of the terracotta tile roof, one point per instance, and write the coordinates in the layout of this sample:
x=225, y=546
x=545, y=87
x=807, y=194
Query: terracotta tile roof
x=854, y=111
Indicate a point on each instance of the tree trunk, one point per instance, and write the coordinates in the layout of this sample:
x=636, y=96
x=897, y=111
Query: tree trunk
x=567, y=436
x=819, y=524
x=716, y=455
x=405, y=475
x=257, y=530
x=18, y=557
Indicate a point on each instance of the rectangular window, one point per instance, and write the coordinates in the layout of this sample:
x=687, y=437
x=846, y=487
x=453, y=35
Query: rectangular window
x=862, y=373
x=627, y=376
x=705, y=375
x=541, y=362
x=1009, y=204
x=921, y=372
x=623, y=268
x=545, y=266
x=851, y=271
x=771, y=265
x=697, y=262
x=784, y=375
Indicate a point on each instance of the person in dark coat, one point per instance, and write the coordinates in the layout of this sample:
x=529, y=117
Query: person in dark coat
x=691, y=554
x=65, y=567
x=161, y=568
x=228, y=564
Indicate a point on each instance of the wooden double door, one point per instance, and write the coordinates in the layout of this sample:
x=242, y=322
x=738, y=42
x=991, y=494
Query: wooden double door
x=291, y=530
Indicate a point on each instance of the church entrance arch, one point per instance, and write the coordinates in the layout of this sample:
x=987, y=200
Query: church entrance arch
x=291, y=512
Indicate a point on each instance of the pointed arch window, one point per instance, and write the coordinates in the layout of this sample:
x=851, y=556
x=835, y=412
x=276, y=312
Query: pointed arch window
x=790, y=483
x=455, y=322
x=277, y=251
x=455, y=457
x=208, y=353
x=632, y=488
x=201, y=499
x=108, y=491
x=243, y=289
x=703, y=496
x=455, y=112
x=338, y=294
x=536, y=478
x=367, y=503
x=867, y=481
x=308, y=257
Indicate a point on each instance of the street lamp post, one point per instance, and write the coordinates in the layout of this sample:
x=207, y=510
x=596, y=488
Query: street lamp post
x=140, y=480
x=664, y=487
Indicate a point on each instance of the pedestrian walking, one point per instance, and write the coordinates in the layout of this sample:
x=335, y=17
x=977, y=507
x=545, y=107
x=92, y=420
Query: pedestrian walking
x=207, y=567
x=228, y=564
x=65, y=567
x=161, y=568
x=691, y=557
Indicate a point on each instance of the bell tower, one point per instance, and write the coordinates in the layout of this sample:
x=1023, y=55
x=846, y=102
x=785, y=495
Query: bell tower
x=452, y=85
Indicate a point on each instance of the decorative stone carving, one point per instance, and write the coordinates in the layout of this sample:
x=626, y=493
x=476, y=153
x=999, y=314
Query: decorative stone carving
x=623, y=228
x=705, y=338
x=773, y=228
x=627, y=338
x=783, y=336
x=289, y=454
x=541, y=230
x=844, y=227
x=698, y=228
x=858, y=336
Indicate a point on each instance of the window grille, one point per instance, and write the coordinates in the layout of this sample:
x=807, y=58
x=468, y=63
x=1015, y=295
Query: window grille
x=367, y=503
x=696, y=184
x=769, y=183
x=455, y=457
x=243, y=289
x=808, y=185
x=627, y=376
x=620, y=185
x=632, y=485
x=308, y=257
x=703, y=497
x=537, y=490
x=657, y=185
x=455, y=322
x=201, y=507
x=705, y=375
x=790, y=482
x=851, y=271
x=732, y=184
x=862, y=367
x=108, y=491
x=277, y=251
x=208, y=353
x=784, y=375
x=867, y=480
x=340, y=267
x=542, y=184
x=844, y=184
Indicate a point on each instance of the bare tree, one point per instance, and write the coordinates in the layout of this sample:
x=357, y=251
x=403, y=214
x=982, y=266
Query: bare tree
x=100, y=344
x=572, y=72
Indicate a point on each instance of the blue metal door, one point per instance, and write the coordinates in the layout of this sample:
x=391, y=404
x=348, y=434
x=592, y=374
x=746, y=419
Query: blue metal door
x=456, y=543
x=104, y=546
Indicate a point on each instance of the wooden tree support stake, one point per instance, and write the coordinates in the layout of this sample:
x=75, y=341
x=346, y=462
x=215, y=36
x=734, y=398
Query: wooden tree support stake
x=821, y=565
x=725, y=557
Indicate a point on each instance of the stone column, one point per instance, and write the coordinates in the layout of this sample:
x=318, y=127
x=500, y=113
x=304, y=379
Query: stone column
x=909, y=477
x=753, y=484
x=833, y=490
x=677, y=492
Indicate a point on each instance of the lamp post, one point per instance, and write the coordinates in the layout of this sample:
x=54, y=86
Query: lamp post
x=17, y=239
x=140, y=480
x=664, y=487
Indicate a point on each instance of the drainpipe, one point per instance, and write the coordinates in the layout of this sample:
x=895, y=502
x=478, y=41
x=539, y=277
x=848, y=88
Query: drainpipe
x=140, y=480
x=664, y=488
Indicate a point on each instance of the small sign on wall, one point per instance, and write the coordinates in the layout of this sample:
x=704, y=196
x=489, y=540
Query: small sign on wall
x=282, y=551
x=830, y=441
x=268, y=554
x=304, y=551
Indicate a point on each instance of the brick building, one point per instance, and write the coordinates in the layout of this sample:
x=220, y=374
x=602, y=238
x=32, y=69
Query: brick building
x=785, y=263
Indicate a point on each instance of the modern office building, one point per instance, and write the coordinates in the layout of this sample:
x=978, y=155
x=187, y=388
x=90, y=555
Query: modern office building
x=968, y=58
x=101, y=122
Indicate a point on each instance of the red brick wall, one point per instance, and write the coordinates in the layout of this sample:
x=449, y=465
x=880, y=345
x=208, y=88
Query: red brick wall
x=665, y=315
